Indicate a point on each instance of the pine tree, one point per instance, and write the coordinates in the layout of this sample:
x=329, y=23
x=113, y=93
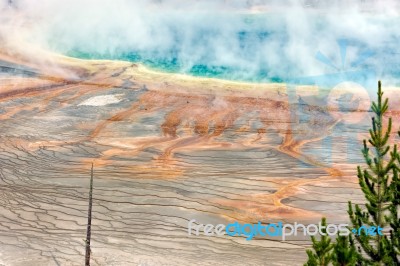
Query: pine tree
x=380, y=184
x=321, y=253
x=375, y=183
x=394, y=218
x=344, y=252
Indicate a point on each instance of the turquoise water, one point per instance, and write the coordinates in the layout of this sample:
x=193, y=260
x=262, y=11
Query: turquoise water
x=253, y=48
x=172, y=65
x=196, y=53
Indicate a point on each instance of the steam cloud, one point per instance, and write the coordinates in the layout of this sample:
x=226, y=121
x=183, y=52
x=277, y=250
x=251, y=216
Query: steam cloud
x=249, y=38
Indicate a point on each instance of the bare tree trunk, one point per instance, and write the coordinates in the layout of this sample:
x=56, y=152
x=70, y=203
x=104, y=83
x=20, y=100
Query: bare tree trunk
x=89, y=223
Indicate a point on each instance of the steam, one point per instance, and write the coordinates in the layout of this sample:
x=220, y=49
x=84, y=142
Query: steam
x=250, y=40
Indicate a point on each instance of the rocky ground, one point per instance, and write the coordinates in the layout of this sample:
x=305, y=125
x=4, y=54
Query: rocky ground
x=166, y=149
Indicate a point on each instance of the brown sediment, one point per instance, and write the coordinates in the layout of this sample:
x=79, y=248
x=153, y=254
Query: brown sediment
x=174, y=148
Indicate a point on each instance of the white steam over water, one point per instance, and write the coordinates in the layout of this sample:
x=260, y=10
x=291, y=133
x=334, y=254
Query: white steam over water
x=237, y=39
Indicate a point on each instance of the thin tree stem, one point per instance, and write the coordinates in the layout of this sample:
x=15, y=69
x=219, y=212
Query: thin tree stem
x=380, y=165
x=89, y=222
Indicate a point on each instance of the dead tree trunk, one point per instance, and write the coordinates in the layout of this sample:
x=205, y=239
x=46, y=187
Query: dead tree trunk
x=89, y=222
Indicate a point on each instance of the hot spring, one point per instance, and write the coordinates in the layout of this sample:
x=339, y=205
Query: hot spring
x=257, y=48
x=226, y=41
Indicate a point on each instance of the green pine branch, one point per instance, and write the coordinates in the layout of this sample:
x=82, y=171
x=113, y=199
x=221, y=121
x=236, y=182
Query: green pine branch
x=393, y=218
x=344, y=252
x=320, y=255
